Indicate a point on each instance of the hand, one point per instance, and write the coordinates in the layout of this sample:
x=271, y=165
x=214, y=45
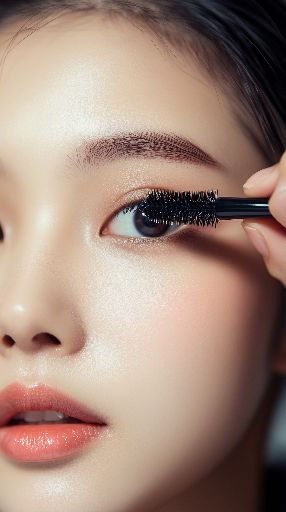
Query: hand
x=270, y=182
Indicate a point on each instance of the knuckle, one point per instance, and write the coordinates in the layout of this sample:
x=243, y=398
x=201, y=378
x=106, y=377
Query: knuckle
x=277, y=269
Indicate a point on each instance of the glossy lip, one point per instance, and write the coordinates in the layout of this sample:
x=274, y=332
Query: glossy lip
x=17, y=398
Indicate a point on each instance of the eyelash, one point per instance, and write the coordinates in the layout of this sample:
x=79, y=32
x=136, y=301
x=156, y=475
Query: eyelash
x=132, y=210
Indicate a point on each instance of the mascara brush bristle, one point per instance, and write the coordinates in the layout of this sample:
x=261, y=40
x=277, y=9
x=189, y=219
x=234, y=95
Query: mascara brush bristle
x=169, y=207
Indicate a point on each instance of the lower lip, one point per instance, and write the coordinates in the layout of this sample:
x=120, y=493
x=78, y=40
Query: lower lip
x=46, y=442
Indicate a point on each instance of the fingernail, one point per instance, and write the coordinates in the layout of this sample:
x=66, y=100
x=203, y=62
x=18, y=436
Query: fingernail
x=260, y=176
x=280, y=203
x=256, y=238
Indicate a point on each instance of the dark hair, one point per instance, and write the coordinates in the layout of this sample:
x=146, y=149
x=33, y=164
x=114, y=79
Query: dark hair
x=242, y=44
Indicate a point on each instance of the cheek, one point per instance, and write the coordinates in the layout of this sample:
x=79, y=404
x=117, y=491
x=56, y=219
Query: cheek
x=207, y=325
x=186, y=363
x=206, y=315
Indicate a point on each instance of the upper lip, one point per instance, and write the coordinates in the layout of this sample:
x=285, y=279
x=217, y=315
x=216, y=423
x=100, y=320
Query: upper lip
x=17, y=398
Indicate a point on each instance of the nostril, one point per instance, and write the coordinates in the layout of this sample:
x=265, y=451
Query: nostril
x=46, y=336
x=1, y=234
x=8, y=341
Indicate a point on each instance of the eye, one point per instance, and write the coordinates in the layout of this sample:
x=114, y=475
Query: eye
x=134, y=223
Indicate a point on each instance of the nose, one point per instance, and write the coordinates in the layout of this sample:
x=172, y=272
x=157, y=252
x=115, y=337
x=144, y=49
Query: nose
x=37, y=309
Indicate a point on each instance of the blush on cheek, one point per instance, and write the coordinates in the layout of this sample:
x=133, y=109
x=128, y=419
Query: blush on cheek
x=194, y=360
x=201, y=315
x=221, y=338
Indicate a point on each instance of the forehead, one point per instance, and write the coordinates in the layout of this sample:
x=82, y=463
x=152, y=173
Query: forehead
x=85, y=73
x=90, y=51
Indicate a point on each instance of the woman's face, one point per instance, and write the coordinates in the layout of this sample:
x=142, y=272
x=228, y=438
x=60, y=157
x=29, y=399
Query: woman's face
x=167, y=336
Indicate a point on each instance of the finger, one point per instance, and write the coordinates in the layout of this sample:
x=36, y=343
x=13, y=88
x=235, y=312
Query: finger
x=274, y=248
x=262, y=183
x=277, y=201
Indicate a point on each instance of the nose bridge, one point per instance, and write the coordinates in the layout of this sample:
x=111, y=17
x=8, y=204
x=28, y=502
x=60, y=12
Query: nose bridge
x=33, y=248
x=31, y=273
x=39, y=245
x=31, y=264
x=34, y=289
x=47, y=227
x=41, y=224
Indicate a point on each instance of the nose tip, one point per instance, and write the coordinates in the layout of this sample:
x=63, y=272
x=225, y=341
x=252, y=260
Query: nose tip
x=39, y=308
x=40, y=325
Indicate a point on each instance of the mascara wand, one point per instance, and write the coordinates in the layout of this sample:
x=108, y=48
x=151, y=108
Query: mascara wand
x=201, y=208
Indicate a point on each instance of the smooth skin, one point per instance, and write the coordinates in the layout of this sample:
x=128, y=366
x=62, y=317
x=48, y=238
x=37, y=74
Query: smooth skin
x=171, y=339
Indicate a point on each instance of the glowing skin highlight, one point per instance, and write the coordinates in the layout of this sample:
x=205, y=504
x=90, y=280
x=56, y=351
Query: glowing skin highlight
x=169, y=338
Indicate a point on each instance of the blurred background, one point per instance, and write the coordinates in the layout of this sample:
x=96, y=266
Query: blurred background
x=276, y=443
x=275, y=457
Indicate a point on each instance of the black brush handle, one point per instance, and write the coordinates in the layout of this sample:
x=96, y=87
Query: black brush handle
x=241, y=207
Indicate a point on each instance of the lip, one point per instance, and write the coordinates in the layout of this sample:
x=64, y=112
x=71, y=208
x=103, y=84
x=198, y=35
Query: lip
x=45, y=442
x=17, y=398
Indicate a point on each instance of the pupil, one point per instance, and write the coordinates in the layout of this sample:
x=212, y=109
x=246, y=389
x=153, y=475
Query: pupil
x=147, y=227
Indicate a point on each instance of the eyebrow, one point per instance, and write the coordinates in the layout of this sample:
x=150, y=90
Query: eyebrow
x=143, y=144
x=147, y=144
